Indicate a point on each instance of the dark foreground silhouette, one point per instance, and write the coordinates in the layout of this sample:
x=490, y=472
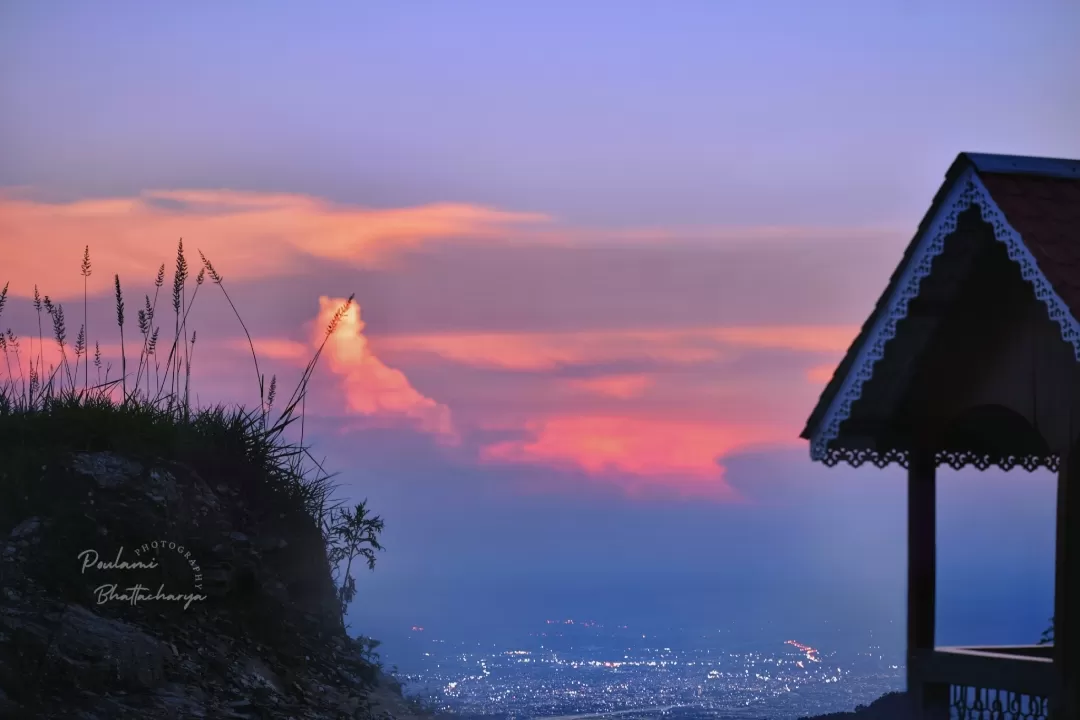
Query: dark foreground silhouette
x=260, y=638
x=892, y=706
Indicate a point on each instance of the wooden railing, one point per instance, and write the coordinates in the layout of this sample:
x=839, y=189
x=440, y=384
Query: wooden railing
x=1012, y=682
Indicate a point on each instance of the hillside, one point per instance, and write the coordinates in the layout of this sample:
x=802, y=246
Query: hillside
x=891, y=706
x=162, y=560
x=261, y=636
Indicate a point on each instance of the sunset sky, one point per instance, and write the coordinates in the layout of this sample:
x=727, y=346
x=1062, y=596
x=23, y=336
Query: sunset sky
x=605, y=257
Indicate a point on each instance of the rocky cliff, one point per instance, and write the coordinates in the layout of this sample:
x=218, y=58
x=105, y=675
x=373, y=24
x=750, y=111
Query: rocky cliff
x=140, y=587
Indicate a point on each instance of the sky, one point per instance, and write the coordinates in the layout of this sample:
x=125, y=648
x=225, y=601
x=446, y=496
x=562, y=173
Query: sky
x=605, y=257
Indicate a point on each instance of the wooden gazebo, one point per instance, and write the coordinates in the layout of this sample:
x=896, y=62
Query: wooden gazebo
x=972, y=357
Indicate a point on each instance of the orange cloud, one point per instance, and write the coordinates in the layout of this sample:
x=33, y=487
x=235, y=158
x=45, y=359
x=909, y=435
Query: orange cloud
x=664, y=439
x=683, y=433
x=636, y=446
x=290, y=351
x=623, y=387
x=45, y=355
x=547, y=351
x=821, y=374
x=808, y=338
x=244, y=234
x=370, y=387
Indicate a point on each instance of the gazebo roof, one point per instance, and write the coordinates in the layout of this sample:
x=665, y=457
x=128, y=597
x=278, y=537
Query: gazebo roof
x=1032, y=206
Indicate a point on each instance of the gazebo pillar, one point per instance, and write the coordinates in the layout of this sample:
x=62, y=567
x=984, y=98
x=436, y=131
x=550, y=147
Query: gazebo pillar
x=931, y=701
x=1066, y=705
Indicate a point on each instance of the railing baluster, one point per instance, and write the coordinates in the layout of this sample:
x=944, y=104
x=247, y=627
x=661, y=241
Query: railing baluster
x=978, y=703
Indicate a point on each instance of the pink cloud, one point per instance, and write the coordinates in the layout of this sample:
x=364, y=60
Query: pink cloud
x=546, y=351
x=684, y=452
x=698, y=402
x=369, y=387
x=821, y=374
x=617, y=386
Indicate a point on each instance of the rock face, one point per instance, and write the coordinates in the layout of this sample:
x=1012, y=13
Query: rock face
x=148, y=591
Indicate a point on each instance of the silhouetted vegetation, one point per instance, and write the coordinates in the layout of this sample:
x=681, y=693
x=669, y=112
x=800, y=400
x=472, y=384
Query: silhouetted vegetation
x=351, y=534
x=1048, y=634
x=891, y=706
x=149, y=413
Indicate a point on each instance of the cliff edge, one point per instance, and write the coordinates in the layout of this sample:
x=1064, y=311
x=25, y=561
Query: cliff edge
x=167, y=587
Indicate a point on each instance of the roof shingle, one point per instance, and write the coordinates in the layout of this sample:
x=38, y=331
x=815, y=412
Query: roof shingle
x=1046, y=212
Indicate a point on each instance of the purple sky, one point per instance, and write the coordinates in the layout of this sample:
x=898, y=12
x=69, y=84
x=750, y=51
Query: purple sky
x=605, y=254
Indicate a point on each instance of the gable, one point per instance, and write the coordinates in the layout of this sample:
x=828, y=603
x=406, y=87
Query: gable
x=1044, y=205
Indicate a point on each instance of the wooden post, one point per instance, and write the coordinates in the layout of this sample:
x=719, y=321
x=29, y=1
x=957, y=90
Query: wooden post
x=1066, y=704
x=930, y=701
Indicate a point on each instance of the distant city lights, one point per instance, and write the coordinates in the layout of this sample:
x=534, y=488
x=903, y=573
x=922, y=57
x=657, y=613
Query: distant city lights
x=582, y=671
x=811, y=653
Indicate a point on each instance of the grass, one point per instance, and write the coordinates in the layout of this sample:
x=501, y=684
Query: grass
x=145, y=411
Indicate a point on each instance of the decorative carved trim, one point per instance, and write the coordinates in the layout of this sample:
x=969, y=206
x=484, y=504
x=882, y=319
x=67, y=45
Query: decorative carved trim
x=966, y=191
x=955, y=459
x=855, y=458
x=1029, y=269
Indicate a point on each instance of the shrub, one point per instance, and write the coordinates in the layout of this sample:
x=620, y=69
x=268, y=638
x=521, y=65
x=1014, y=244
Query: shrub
x=150, y=412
